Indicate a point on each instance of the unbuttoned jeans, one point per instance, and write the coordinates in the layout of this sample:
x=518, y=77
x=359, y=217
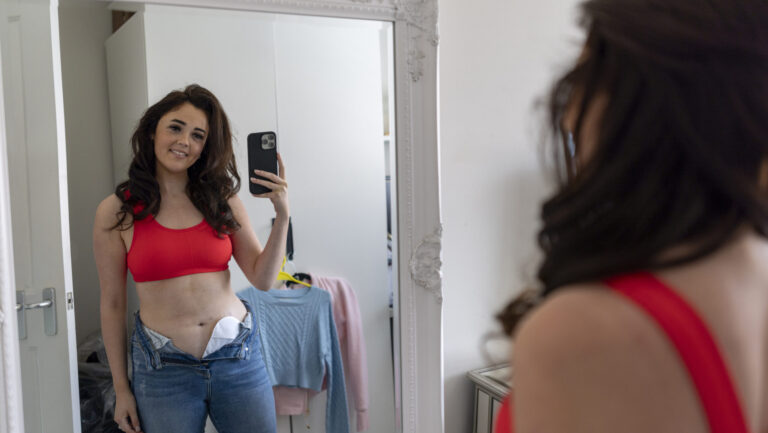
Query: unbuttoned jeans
x=175, y=391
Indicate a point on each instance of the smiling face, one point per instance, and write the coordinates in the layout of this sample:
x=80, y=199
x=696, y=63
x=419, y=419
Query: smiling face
x=180, y=138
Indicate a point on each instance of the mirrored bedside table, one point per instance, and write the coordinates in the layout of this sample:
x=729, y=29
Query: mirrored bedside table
x=491, y=386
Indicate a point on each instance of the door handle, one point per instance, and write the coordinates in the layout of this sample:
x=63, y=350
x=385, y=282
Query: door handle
x=33, y=306
x=48, y=305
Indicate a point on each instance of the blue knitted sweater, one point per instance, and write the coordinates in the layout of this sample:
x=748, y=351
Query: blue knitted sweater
x=300, y=345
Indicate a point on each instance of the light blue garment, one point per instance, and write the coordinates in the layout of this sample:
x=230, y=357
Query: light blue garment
x=300, y=345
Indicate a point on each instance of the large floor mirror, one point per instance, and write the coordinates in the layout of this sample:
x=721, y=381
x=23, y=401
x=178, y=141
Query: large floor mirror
x=349, y=88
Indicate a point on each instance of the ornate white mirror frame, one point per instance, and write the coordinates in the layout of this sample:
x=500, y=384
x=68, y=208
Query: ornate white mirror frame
x=418, y=189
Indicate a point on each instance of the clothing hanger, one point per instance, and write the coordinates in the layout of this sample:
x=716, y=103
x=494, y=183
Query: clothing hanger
x=285, y=276
x=289, y=267
x=302, y=276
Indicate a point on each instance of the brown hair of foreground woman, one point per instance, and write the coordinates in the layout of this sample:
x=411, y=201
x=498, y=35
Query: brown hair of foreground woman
x=680, y=153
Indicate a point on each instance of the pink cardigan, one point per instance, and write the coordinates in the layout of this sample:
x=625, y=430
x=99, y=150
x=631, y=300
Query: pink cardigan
x=349, y=327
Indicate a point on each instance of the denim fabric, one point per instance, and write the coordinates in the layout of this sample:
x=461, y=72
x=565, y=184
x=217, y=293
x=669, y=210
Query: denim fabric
x=175, y=391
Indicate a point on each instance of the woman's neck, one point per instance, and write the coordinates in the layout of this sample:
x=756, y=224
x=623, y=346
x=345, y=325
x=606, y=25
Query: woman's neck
x=745, y=253
x=172, y=184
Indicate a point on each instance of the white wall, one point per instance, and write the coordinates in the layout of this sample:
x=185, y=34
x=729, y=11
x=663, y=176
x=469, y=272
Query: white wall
x=84, y=25
x=496, y=58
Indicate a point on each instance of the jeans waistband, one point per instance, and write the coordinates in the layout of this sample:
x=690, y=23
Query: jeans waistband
x=238, y=348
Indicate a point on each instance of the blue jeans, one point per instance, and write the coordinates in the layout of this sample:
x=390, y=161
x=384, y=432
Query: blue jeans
x=175, y=391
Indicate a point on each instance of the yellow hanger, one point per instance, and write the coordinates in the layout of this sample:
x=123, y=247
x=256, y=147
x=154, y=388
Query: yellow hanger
x=285, y=276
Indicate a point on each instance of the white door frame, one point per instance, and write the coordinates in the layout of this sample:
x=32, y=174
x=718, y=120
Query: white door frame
x=10, y=377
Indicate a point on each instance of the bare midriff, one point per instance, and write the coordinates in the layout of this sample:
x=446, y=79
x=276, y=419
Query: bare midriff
x=186, y=309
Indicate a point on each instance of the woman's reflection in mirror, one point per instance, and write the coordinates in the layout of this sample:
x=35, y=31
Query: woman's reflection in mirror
x=174, y=224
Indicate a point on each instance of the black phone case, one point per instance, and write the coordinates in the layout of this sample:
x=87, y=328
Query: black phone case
x=260, y=158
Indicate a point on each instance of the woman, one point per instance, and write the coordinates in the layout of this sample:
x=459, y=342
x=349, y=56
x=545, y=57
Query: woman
x=654, y=315
x=174, y=224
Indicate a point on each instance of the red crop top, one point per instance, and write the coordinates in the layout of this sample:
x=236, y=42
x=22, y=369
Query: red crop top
x=159, y=253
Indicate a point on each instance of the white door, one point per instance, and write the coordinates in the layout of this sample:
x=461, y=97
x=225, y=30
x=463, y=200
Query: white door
x=37, y=177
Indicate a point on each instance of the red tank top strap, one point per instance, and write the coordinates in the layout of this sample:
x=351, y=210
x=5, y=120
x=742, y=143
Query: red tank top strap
x=695, y=344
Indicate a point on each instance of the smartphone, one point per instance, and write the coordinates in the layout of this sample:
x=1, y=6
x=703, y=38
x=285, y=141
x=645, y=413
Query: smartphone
x=262, y=155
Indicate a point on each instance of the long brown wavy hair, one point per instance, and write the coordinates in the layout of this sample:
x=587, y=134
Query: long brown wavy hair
x=213, y=178
x=680, y=145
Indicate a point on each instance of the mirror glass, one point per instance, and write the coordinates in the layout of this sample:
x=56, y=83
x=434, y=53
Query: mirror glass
x=325, y=86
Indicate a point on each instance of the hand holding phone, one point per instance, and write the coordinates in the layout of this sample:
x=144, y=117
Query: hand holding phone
x=262, y=155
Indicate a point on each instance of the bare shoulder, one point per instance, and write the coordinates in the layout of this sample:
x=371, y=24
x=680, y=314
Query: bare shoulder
x=588, y=360
x=106, y=212
x=238, y=209
x=244, y=236
x=576, y=308
x=575, y=321
x=236, y=203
